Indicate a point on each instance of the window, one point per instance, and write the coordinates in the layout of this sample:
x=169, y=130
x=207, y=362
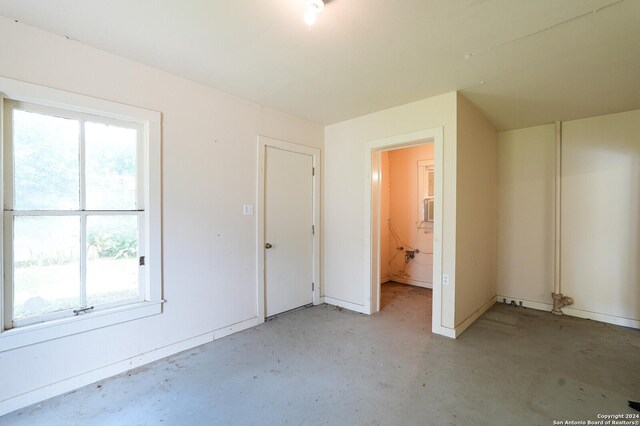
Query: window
x=80, y=217
x=426, y=193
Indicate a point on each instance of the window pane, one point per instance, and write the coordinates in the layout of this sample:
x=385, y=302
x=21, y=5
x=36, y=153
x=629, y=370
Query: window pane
x=112, y=259
x=110, y=167
x=46, y=265
x=46, y=162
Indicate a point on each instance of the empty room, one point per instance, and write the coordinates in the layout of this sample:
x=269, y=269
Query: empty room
x=337, y=212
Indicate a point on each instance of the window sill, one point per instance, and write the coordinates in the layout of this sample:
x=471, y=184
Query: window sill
x=41, y=332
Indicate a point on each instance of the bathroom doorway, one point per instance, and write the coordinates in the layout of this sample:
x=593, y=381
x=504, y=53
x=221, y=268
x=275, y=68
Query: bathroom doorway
x=406, y=199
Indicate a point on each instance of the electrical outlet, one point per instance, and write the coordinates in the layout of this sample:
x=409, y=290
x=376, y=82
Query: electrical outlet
x=445, y=279
x=247, y=209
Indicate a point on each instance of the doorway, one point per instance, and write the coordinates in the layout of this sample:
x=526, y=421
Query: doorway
x=288, y=212
x=373, y=150
x=406, y=221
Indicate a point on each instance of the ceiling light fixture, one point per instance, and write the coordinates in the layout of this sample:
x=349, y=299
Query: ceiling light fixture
x=313, y=8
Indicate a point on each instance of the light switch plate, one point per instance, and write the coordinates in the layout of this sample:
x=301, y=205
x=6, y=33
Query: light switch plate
x=445, y=279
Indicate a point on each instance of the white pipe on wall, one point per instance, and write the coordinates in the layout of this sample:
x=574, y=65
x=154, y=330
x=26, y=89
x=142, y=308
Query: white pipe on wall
x=559, y=300
x=558, y=208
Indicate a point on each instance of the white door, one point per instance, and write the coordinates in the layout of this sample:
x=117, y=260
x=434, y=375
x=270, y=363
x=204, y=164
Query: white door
x=288, y=230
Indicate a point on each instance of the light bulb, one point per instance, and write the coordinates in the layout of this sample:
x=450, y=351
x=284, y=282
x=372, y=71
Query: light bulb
x=311, y=15
x=313, y=8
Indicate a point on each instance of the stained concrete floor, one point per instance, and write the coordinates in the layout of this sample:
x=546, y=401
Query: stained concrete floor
x=325, y=365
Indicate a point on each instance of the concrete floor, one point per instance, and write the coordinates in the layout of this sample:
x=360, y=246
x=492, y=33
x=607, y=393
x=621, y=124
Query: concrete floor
x=325, y=365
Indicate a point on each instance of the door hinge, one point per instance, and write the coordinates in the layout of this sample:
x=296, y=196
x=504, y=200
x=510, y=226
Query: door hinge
x=313, y=229
x=313, y=286
x=313, y=171
x=141, y=260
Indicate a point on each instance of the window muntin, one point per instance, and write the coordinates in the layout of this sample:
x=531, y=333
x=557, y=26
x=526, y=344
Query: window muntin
x=74, y=214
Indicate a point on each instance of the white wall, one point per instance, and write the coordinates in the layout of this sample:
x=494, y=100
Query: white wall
x=403, y=215
x=601, y=214
x=600, y=217
x=477, y=214
x=344, y=190
x=526, y=213
x=209, y=169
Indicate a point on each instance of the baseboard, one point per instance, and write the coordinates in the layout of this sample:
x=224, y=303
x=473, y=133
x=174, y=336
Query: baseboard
x=417, y=283
x=474, y=316
x=443, y=331
x=539, y=306
x=67, y=385
x=385, y=279
x=595, y=316
x=344, y=304
x=235, y=328
x=573, y=312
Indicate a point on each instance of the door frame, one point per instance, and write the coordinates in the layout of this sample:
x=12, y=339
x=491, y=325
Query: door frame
x=371, y=220
x=265, y=142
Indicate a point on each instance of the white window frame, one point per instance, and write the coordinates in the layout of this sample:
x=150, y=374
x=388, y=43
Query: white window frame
x=424, y=168
x=84, y=107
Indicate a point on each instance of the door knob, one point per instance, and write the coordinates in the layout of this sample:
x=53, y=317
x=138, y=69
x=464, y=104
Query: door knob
x=268, y=246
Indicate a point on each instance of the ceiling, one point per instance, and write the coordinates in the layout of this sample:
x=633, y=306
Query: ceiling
x=522, y=62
